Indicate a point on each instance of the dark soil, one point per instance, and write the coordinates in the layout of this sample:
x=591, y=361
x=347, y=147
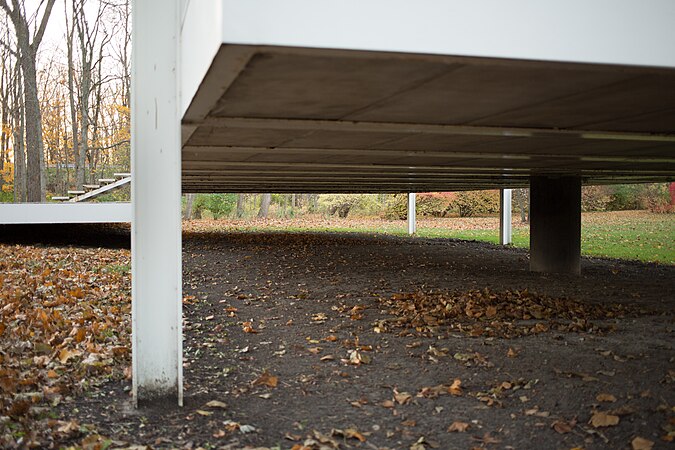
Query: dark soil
x=299, y=290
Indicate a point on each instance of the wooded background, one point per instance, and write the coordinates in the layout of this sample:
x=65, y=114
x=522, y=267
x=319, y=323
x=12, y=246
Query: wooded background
x=64, y=101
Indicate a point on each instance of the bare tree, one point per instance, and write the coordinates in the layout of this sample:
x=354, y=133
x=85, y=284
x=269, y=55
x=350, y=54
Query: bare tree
x=27, y=47
x=90, y=47
x=264, y=206
x=18, y=128
x=522, y=199
x=5, y=87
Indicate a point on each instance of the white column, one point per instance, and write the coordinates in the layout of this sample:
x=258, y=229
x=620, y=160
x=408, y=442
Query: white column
x=505, y=233
x=156, y=189
x=412, y=213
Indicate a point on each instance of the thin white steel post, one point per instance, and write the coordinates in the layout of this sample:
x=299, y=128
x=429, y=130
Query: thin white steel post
x=412, y=213
x=505, y=232
x=156, y=306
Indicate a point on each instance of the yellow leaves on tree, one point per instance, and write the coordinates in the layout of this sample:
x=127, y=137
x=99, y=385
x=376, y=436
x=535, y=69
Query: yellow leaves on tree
x=7, y=177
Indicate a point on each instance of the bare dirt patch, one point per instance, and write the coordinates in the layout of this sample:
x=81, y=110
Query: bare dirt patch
x=285, y=346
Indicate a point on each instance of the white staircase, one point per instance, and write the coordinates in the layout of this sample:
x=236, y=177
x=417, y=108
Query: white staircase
x=94, y=190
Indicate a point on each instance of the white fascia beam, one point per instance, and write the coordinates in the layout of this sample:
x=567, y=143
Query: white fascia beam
x=412, y=213
x=156, y=195
x=41, y=213
x=569, y=31
x=505, y=230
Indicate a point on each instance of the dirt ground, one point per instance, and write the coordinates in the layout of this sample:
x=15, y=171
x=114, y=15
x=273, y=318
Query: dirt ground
x=299, y=341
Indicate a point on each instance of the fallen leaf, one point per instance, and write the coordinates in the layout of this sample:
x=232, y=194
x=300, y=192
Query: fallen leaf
x=402, y=397
x=458, y=427
x=245, y=429
x=419, y=445
x=248, y=327
x=563, y=427
x=357, y=358
x=602, y=419
x=216, y=404
x=455, y=388
x=266, y=379
x=65, y=355
x=353, y=433
x=641, y=444
x=605, y=397
x=292, y=437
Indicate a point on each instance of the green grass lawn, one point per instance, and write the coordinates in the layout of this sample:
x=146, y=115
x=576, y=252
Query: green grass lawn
x=646, y=237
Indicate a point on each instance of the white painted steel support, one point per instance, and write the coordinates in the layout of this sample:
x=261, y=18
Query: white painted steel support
x=412, y=213
x=156, y=193
x=505, y=232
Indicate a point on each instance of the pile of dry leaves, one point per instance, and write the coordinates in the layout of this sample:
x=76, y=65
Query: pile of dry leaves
x=506, y=314
x=64, y=326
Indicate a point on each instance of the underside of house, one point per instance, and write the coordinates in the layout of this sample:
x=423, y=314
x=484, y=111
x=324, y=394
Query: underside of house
x=384, y=96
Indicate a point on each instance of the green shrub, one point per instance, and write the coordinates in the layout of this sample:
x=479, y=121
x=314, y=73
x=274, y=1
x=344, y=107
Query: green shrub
x=396, y=207
x=475, y=203
x=625, y=197
x=343, y=205
x=6, y=197
x=218, y=205
x=428, y=204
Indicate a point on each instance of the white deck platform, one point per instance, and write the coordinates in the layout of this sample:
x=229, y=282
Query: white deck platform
x=391, y=96
x=46, y=213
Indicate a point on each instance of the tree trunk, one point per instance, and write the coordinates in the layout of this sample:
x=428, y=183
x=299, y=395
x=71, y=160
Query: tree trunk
x=240, y=205
x=19, y=154
x=187, y=214
x=27, y=50
x=264, y=206
x=4, y=110
x=75, y=129
x=35, y=181
x=86, y=55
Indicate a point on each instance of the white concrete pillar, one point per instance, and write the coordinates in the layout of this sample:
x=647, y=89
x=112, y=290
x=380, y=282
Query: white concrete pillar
x=412, y=213
x=156, y=289
x=505, y=231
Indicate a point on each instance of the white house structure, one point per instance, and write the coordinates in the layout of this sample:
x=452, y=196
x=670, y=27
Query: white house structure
x=386, y=96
